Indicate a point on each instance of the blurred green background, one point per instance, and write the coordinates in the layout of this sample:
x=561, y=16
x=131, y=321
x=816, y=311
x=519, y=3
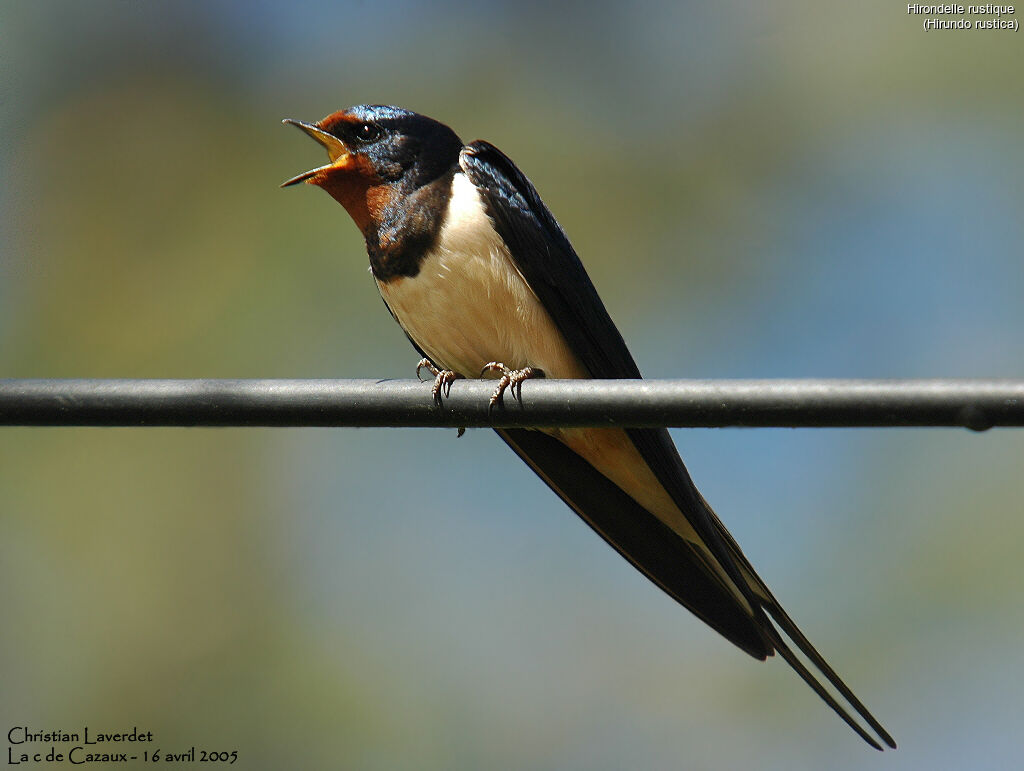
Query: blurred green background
x=758, y=190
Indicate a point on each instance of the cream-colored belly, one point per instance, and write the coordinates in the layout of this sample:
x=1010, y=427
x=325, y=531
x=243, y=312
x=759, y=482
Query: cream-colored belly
x=466, y=308
x=469, y=305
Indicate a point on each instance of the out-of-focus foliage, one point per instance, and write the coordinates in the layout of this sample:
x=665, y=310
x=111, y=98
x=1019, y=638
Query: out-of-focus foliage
x=782, y=189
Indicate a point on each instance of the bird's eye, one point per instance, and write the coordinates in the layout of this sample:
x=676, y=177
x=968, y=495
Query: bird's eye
x=367, y=132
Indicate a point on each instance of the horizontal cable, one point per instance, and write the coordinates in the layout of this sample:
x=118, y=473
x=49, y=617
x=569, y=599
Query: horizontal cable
x=974, y=404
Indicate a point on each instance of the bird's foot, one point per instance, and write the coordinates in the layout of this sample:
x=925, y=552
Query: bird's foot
x=443, y=379
x=509, y=377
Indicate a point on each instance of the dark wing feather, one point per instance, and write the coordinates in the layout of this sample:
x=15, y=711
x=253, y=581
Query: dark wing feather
x=643, y=539
x=547, y=261
x=551, y=267
x=544, y=256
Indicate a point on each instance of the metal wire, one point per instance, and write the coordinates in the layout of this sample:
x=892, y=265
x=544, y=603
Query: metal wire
x=974, y=404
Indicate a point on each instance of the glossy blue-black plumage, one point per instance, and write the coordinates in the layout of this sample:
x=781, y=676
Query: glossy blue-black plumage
x=551, y=267
x=547, y=261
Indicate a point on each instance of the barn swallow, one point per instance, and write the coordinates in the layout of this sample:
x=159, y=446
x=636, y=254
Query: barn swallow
x=480, y=276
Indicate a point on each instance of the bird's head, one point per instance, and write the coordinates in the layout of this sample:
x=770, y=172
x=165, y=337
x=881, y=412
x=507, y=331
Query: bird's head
x=378, y=154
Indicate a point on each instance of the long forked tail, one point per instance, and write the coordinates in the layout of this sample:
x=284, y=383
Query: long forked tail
x=822, y=666
x=714, y=580
x=783, y=622
x=767, y=613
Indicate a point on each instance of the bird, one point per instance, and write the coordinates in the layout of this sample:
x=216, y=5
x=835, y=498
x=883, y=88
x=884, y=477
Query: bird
x=483, y=281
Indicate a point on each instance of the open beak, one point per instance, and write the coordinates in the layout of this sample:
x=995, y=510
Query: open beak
x=336, y=151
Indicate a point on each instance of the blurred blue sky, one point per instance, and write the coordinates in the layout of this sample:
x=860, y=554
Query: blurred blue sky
x=778, y=190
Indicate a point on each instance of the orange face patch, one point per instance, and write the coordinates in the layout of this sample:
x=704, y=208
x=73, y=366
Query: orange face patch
x=351, y=182
x=351, y=179
x=377, y=199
